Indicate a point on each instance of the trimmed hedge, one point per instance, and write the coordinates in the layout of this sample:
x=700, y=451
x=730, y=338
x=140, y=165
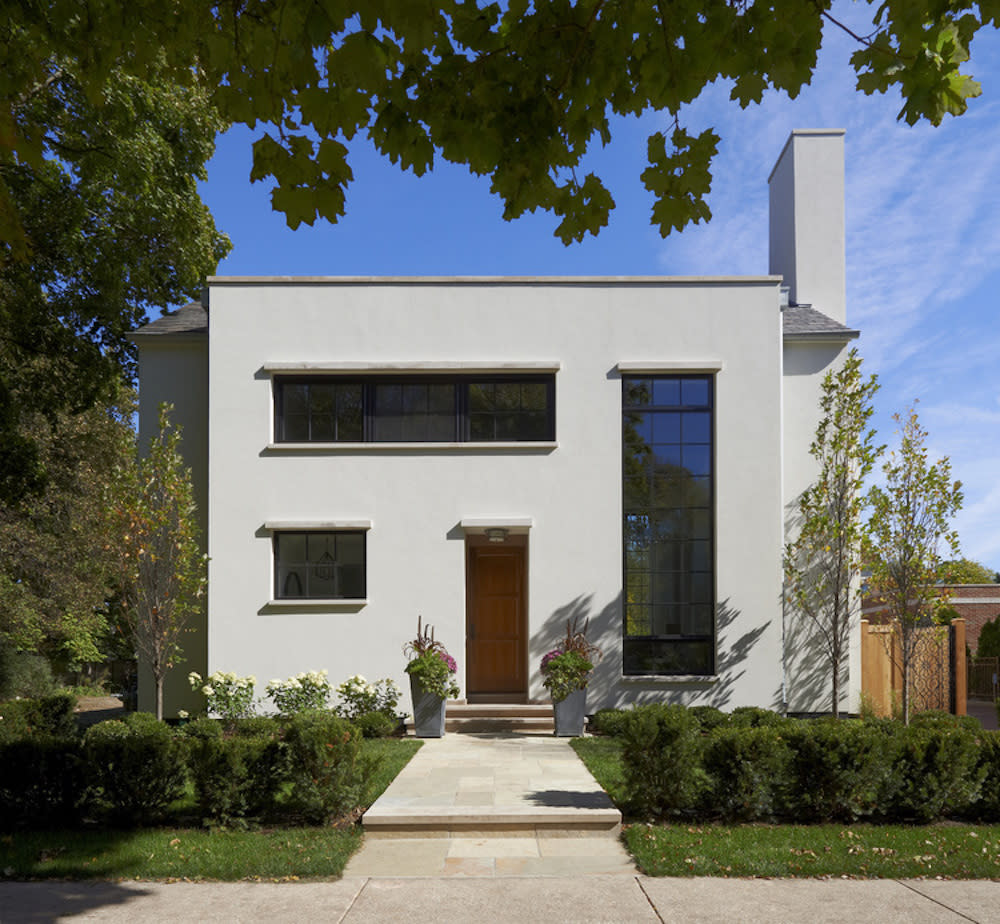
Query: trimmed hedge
x=136, y=767
x=661, y=756
x=48, y=715
x=747, y=771
x=42, y=782
x=236, y=779
x=326, y=769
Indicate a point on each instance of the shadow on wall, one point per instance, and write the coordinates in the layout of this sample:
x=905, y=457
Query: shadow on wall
x=808, y=668
x=604, y=629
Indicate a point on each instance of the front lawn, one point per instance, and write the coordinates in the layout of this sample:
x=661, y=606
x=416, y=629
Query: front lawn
x=196, y=853
x=947, y=850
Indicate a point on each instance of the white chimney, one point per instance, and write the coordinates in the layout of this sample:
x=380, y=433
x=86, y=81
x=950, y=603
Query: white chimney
x=807, y=220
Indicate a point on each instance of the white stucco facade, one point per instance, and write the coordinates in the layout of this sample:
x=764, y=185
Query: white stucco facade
x=423, y=506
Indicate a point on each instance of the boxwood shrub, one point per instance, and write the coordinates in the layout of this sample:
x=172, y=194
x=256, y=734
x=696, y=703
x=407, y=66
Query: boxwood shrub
x=236, y=779
x=136, y=767
x=327, y=771
x=747, y=772
x=47, y=715
x=661, y=759
x=41, y=782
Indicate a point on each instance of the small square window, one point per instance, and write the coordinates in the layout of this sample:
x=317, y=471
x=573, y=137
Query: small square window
x=319, y=565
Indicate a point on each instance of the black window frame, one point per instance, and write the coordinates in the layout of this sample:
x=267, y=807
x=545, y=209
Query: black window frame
x=461, y=414
x=327, y=536
x=682, y=531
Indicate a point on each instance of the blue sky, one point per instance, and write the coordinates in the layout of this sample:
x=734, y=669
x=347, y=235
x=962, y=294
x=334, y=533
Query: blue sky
x=923, y=240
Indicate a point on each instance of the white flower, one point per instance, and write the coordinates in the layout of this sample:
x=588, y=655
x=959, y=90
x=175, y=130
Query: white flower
x=194, y=678
x=208, y=690
x=251, y=680
x=183, y=714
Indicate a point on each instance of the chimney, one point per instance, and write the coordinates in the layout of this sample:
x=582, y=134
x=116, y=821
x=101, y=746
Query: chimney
x=807, y=220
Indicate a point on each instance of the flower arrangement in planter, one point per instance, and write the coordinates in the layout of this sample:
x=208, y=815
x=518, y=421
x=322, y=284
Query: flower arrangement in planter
x=566, y=670
x=432, y=680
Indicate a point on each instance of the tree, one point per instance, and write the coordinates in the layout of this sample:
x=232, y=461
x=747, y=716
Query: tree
x=823, y=562
x=160, y=562
x=111, y=226
x=908, y=526
x=517, y=91
x=56, y=554
x=989, y=639
x=966, y=571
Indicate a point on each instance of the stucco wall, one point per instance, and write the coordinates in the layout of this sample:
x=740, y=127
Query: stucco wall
x=174, y=369
x=415, y=498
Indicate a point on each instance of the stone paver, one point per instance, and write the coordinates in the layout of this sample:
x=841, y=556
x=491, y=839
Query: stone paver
x=492, y=806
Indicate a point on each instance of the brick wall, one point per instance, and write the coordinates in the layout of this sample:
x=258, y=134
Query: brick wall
x=975, y=603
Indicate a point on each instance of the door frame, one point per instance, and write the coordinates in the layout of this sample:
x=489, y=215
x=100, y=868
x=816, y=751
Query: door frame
x=473, y=542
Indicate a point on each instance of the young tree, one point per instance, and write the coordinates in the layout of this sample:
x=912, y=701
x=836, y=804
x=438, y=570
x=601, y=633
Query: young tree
x=823, y=562
x=908, y=526
x=161, y=565
x=967, y=571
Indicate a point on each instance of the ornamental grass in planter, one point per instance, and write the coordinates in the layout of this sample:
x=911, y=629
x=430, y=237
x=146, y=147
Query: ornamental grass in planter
x=432, y=681
x=566, y=671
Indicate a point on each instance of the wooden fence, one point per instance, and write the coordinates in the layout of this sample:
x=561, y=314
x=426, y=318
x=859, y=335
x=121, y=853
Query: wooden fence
x=937, y=674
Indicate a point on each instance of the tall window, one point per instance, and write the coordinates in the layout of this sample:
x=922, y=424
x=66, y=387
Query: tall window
x=317, y=564
x=415, y=409
x=667, y=431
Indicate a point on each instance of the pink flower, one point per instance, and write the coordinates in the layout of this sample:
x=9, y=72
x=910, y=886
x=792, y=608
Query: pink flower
x=548, y=656
x=449, y=661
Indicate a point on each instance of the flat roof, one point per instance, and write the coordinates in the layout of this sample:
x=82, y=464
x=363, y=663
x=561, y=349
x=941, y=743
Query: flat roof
x=491, y=280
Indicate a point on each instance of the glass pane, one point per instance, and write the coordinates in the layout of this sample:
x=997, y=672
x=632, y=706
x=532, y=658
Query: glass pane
x=322, y=580
x=508, y=395
x=440, y=428
x=697, y=427
x=666, y=392
x=701, y=556
x=637, y=588
x=295, y=398
x=291, y=548
x=533, y=395
x=695, y=392
x=701, y=524
x=697, y=459
x=350, y=549
x=291, y=582
x=667, y=455
x=321, y=398
x=506, y=426
x=322, y=429
x=638, y=429
x=637, y=619
x=414, y=399
x=296, y=428
x=667, y=620
x=701, y=588
x=651, y=656
x=636, y=489
x=698, y=621
x=352, y=581
x=388, y=399
x=534, y=426
x=670, y=587
x=481, y=426
x=441, y=399
x=637, y=557
x=669, y=556
x=637, y=392
x=481, y=396
x=637, y=529
x=350, y=420
x=666, y=427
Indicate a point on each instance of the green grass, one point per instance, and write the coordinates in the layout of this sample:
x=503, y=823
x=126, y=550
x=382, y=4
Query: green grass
x=953, y=851
x=857, y=851
x=195, y=853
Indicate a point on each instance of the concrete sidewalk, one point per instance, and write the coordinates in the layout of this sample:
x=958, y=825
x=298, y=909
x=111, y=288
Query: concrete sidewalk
x=635, y=899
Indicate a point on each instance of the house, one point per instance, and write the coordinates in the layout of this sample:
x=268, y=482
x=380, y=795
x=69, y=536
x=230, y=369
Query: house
x=500, y=455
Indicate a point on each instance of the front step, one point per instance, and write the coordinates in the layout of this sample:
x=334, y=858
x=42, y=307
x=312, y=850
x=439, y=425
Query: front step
x=497, y=718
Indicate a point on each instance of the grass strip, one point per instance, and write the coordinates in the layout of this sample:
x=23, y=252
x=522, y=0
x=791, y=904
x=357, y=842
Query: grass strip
x=274, y=854
x=947, y=850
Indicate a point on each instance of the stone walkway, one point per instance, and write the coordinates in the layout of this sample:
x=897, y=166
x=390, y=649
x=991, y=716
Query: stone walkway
x=492, y=806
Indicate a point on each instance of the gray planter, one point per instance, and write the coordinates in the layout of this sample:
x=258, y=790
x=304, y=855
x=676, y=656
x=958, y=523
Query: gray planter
x=428, y=711
x=570, y=714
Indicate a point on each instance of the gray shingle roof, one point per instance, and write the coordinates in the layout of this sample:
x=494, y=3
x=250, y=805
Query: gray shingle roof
x=191, y=319
x=803, y=322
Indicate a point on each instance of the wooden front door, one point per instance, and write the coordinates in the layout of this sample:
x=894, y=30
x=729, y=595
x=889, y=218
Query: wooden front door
x=496, y=622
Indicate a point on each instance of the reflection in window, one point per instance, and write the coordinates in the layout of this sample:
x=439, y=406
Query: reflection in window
x=667, y=466
x=415, y=409
x=319, y=565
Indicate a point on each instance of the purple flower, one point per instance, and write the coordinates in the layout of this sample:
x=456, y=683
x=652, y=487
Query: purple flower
x=548, y=656
x=449, y=661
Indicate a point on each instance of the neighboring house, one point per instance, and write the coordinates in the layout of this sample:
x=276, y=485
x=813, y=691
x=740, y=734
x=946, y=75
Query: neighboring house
x=499, y=455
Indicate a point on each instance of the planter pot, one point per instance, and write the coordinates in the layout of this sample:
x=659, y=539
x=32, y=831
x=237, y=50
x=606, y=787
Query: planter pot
x=570, y=714
x=428, y=711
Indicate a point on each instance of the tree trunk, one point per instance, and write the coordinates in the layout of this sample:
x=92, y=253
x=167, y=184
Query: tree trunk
x=159, y=698
x=836, y=689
